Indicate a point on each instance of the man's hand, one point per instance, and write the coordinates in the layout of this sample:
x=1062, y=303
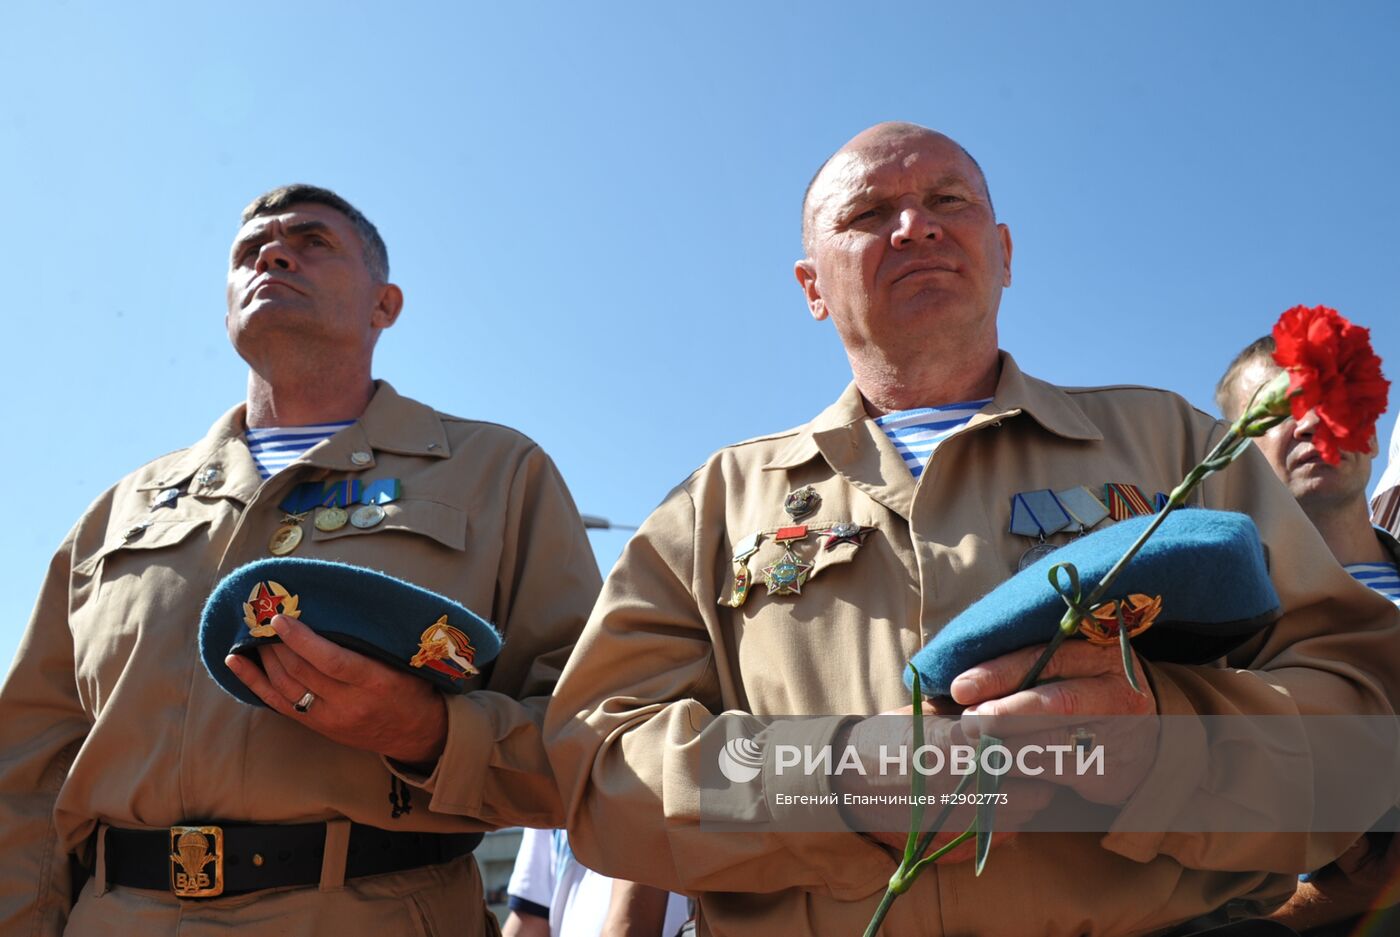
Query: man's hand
x=1354, y=884
x=359, y=702
x=888, y=825
x=1084, y=681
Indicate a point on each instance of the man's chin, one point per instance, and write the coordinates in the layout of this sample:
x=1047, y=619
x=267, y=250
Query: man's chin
x=1322, y=485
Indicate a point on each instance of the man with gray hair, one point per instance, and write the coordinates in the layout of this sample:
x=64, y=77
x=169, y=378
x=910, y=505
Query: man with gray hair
x=350, y=804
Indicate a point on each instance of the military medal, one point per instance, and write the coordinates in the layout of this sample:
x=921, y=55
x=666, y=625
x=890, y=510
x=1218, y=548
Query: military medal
x=267, y=600
x=744, y=549
x=845, y=532
x=342, y=493
x=1035, y=554
x=286, y=537
x=381, y=491
x=332, y=518
x=335, y=499
x=789, y=574
x=1083, y=508
x=1036, y=514
x=303, y=498
x=166, y=498
x=297, y=504
x=367, y=516
x=1159, y=500
x=798, y=504
x=1125, y=501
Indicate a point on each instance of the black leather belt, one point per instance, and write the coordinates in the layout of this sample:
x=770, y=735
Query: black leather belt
x=205, y=861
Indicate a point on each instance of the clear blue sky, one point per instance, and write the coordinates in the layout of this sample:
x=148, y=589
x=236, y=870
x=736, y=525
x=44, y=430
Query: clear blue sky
x=593, y=208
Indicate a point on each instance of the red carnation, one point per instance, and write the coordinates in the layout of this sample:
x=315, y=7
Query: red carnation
x=1332, y=370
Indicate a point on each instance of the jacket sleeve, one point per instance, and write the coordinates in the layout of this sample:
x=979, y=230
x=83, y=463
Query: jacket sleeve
x=494, y=766
x=1330, y=657
x=42, y=726
x=624, y=734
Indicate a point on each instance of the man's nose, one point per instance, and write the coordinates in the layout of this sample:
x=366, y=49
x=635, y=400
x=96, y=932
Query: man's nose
x=274, y=255
x=1304, y=427
x=915, y=223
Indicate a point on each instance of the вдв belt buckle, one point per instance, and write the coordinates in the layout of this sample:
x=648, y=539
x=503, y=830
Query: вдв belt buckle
x=192, y=848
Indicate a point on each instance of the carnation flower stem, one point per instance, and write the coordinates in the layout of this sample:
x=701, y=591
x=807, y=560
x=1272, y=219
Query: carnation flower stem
x=1255, y=422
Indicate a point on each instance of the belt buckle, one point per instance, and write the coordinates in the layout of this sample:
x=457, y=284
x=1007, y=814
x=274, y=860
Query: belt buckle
x=192, y=849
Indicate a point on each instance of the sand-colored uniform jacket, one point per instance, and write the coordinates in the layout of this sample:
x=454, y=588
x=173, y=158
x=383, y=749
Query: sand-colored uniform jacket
x=661, y=657
x=108, y=715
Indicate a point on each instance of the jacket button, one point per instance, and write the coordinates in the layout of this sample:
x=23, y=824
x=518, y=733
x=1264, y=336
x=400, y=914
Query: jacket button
x=360, y=457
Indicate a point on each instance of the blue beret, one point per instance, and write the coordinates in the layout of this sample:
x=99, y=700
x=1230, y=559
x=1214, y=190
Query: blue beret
x=1208, y=567
x=373, y=613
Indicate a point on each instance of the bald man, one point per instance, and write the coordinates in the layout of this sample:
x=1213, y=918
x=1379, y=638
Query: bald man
x=796, y=573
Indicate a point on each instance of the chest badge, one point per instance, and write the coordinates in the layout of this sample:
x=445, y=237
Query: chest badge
x=739, y=592
x=798, y=504
x=789, y=574
x=845, y=532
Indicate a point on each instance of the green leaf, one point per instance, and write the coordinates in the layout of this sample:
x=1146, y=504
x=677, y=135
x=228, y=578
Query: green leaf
x=987, y=784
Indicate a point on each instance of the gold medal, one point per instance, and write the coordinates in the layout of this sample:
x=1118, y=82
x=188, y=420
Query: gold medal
x=367, y=516
x=332, y=518
x=285, y=539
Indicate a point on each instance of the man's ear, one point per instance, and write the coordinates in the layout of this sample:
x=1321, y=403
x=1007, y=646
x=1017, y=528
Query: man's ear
x=387, y=309
x=807, y=279
x=1005, y=234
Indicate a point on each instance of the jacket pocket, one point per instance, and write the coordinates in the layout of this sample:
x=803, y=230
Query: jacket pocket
x=130, y=550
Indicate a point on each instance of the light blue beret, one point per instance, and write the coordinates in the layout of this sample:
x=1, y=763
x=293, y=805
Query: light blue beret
x=373, y=613
x=1208, y=566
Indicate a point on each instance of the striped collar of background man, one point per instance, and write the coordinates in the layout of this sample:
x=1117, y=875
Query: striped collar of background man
x=1382, y=577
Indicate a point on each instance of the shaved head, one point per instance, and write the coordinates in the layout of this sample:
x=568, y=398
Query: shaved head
x=879, y=136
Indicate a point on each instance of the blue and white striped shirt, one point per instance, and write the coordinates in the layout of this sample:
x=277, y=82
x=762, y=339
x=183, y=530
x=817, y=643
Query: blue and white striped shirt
x=276, y=447
x=916, y=433
x=1383, y=577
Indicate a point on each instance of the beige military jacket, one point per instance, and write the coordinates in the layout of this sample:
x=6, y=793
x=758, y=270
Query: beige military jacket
x=661, y=657
x=108, y=715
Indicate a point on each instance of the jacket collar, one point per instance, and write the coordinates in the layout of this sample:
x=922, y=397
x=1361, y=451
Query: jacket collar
x=854, y=446
x=1389, y=543
x=220, y=463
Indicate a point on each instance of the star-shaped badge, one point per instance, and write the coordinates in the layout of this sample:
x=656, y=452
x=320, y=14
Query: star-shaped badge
x=787, y=576
x=800, y=503
x=846, y=532
x=267, y=600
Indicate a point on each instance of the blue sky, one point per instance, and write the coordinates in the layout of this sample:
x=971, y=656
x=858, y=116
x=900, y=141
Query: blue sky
x=593, y=209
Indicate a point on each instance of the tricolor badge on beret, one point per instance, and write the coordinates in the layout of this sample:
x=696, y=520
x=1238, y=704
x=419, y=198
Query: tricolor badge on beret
x=381, y=616
x=447, y=650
